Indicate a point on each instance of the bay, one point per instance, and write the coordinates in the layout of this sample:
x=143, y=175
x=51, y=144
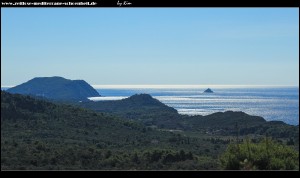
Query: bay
x=279, y=103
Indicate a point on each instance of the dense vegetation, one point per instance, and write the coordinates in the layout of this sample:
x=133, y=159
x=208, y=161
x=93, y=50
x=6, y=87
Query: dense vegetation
x=142, y=108
x=56, y=88
x=150, y=112
x=38, y=134
x=265, y=155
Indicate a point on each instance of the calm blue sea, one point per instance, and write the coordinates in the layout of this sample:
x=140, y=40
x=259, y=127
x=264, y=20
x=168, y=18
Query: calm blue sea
x=271, y=103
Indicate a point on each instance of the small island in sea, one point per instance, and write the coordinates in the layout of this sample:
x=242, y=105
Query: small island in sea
x=208, y=91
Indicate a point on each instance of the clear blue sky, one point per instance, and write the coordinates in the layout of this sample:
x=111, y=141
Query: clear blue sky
x=231, y=46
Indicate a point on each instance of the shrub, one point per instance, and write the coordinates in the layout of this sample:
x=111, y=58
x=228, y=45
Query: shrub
x=265, y=155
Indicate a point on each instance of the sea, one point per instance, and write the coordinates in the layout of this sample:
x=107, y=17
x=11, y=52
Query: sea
x=271, y=103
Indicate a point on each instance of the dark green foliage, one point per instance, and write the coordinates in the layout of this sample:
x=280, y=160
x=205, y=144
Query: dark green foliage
x=38, y=134
x=136, y=103
x=56, y=88
x=227, y=120
x=150, y=112
x=266, y=155
x=142, y=108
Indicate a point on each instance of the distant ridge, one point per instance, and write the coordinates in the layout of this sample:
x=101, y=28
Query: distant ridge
x=57, y=88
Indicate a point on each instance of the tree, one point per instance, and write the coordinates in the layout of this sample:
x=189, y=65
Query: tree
x=266, y=155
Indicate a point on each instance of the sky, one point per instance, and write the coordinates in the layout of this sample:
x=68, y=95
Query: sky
x=151, y=46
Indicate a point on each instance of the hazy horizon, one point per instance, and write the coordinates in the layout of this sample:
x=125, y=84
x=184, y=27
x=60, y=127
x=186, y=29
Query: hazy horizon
x=178, y=86
x=153, y=46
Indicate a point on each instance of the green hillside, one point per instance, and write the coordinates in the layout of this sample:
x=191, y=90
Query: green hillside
x=37, y=134
x=40, y=135
x=151, y=112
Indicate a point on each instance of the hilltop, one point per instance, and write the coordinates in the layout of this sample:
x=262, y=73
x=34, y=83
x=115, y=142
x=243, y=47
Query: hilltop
x=145, y=109
x=138, y=107
x=41, y=135
x=56, y=88
x=38, y=134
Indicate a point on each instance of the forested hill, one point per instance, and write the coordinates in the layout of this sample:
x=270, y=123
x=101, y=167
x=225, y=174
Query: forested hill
x=56, y=88
x=45, y=120
x=151, y=112
x=41, y=135
x=37, y=134
x=136, y=103
x=139, y=107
